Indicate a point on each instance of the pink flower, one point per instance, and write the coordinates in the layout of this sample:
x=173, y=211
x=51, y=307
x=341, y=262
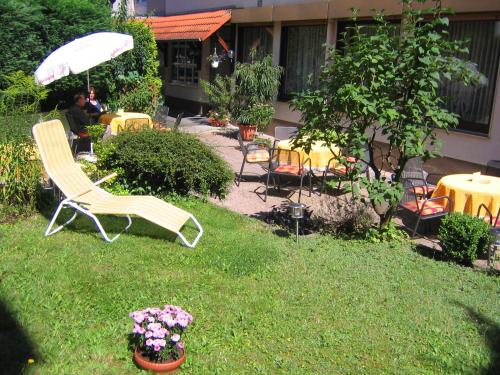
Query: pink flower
x=138, y=329
x=183, y=322
x=180, y=345
x=156, y=348
x=175, y=337
x=170, y=322
x=154, y=326
x=148, y=334
x=159, y=342
x=149, y=342
x=151, y=319
x=139, y=318
x=159, y=333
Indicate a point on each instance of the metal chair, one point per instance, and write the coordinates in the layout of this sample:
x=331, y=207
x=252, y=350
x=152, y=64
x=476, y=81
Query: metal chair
x=136, y=124
x=288, y=163
x=282, y=133
x=253, y=153
x=493, y=220
x=423, y=209
x=414, y=171
x=341, y=170
x=493, y=168
x=178, y=121
x=160, y=117
x=74, y=139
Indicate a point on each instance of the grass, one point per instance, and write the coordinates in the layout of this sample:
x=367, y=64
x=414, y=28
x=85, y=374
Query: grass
x=262, y=305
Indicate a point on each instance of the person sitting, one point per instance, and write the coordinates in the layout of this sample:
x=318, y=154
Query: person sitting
x=92, y=105
x=78, y=121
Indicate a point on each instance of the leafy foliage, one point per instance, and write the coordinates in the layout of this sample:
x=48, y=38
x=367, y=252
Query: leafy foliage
x=168, y=162
x=246, y=94
x=21, y=95
x=258, y=114
x=463, y=237
x=385, y=83
x=219, y=93
x=135, y=81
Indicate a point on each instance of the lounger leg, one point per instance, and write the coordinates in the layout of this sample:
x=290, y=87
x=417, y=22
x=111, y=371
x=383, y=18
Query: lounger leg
x=48, y=232
x=310, y=185
x=300, y=187
x=103, y=232
x=200, y=233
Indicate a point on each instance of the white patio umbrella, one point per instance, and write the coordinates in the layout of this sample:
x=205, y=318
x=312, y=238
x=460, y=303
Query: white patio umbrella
x=81, y=55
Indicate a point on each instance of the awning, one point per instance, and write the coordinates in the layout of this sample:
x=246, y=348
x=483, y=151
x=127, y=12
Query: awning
x=195, y=26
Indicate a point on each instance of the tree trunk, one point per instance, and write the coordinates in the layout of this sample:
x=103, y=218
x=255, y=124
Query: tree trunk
x=386, y=218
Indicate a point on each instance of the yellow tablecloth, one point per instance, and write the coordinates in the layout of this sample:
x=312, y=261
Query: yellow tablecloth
x=319, y=154
x=467, y=195
x=115, y=120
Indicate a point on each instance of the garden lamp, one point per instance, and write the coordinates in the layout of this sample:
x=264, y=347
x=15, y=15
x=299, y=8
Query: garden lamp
x=215, y=59
x=296, y=211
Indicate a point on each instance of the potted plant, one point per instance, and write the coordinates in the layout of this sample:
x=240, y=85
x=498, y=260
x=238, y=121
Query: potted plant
x=256, y=117
x=218, y=118
x=157, y=337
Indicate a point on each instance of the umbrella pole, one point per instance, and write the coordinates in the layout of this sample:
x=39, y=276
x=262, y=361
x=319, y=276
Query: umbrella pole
x=88, y=82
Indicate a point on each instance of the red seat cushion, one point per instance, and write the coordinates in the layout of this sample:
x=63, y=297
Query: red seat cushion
x=341, y=169
x=424, y=190
x=431, y=208
x=290, y=169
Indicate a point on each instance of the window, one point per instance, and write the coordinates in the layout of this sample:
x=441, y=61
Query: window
x=186, y=62
x=302, y=55
x=474, y=104
x=258, y=37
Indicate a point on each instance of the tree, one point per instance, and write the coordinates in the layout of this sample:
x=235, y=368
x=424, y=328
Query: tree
x=385, y=83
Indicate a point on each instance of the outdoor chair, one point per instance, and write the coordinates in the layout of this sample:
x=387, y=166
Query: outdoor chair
x=135, y=125
x=253, y=153
x=85, y=197
x=178, y=121
x=493, y=168
x=423, y=208
x=282, y=133
x=340, y=171
x=288, y=163
x=494, y=221
x=76, y=141
x=420, y=179
x=160, y=118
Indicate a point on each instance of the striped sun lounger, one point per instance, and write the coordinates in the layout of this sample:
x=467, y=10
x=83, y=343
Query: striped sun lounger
x=85, y=197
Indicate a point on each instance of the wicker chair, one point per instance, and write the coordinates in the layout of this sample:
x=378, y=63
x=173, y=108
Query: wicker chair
x=420, y=179
x=423, y=208
x=77, y=141
x=288, y=163
x=253, y=153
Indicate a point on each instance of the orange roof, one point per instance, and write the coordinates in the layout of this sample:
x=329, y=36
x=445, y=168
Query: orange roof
x=195, y=26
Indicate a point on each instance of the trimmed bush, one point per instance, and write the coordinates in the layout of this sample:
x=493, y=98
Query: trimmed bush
x=153, y=162
x=464, y=238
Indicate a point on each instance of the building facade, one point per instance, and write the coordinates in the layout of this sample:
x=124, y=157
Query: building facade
x=294, y=33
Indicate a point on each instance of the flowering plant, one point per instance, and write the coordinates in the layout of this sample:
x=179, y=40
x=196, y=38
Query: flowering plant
x=157, y=332
x=218, y=118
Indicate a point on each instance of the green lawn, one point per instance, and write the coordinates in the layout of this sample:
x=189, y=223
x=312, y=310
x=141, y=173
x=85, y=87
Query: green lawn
x=260, y=303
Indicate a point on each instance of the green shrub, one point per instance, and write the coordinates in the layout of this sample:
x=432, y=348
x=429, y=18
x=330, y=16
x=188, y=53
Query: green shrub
x=463, y=238
x=152, y=162
x=21, y=95
x=20, y=171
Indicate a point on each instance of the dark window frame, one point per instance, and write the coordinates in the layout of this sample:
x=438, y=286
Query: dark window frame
x=282, y=96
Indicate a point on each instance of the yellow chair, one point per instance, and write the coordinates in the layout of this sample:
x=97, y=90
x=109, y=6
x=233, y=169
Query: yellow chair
x=85, y=197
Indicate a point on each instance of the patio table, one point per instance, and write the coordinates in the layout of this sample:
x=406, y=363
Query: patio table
x=117, y=120
x=320, y=154
x=467, y=193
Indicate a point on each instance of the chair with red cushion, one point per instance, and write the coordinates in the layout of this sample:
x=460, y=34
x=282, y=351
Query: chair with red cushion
x=253, y=153
x=423, y=209
x=340, y=167
x=494, y=221
x=423, y=182
x=288, y=163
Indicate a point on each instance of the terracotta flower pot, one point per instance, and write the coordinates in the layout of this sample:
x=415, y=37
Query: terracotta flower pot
x=216, y=123
x=158, y=367
x=247, y=131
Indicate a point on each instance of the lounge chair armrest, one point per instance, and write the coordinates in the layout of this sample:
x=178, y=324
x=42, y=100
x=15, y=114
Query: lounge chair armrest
x=448, y=201
x=108, y=177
